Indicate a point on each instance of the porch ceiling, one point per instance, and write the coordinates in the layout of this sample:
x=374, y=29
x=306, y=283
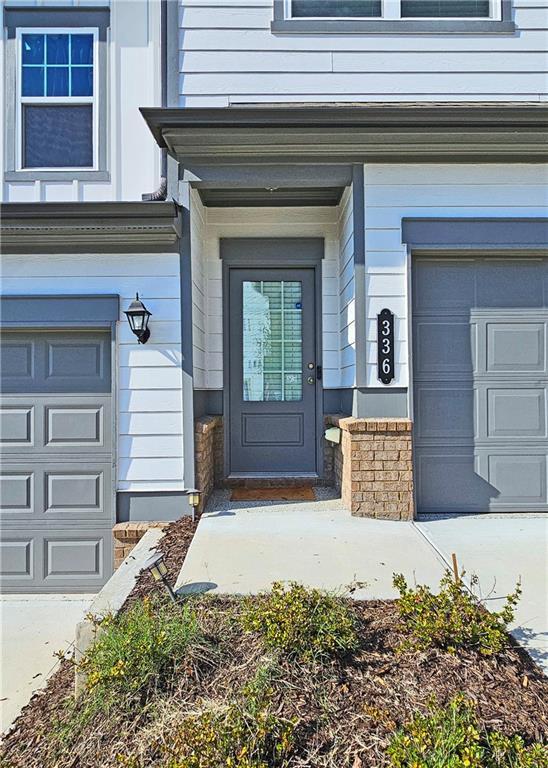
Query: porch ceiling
x=271, y=197
x=417, y=132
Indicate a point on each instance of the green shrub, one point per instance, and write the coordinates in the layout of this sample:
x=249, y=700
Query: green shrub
x=245, y=734
x=451, y=738
x=453, y=618
x=139, y=649
x=301, y=622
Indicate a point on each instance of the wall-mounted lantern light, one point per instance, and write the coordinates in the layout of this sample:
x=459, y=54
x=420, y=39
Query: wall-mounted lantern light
x=157, y=567
x=137, y=315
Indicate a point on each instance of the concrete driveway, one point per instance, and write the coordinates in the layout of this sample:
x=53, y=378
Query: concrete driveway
x=32, y=629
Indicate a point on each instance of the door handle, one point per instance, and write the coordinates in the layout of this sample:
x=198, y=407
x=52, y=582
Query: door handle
x=319, y=372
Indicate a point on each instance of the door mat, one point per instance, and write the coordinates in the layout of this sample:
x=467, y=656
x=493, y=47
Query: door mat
x=298, y=493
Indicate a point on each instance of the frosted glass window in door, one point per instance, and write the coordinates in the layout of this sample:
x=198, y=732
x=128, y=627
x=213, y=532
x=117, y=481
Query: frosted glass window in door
x=272, y=340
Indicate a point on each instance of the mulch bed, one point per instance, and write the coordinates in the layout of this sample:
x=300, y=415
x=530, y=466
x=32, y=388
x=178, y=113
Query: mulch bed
x=347, y=709
x=35, y=718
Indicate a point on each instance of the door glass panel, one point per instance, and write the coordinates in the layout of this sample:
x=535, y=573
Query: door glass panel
x=272, y=340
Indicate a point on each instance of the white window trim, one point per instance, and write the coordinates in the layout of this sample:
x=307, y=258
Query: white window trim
x=53, y=100
x=391, y=11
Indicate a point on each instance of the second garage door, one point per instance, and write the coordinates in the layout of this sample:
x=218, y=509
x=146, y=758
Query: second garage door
x=480, y=384
x=56, y=447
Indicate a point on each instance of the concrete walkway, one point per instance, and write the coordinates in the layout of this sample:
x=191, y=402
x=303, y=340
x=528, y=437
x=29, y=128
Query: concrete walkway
x=241, y=548
x=32, y=629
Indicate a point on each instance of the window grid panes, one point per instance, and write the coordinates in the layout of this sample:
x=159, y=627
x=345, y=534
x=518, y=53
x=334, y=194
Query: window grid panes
x=366, y=9
x=272, y=340
x=57, y=65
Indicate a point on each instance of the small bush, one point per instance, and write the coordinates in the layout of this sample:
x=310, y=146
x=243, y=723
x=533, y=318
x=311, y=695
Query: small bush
x=451, y=738
x=245, y=734
x=301, y=622
x=138, y=650
x=454, y=618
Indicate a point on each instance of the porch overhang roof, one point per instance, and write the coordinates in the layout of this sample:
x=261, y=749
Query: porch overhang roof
x=356, y=133
x=93, y=227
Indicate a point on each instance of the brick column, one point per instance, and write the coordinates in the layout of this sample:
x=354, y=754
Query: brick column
x=374, y=467
x=208, y=453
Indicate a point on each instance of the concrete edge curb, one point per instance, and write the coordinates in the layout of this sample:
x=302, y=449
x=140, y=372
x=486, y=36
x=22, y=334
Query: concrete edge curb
x=112, y=597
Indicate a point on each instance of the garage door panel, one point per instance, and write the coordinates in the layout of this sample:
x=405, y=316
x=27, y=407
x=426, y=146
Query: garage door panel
x=519, y=479
x=515, y=347
x=516, y=412
x=501, y=284
x=74, y=492
x=75, y=425
x=16, y=426
x=445, y=348
x=17, y=558
x=451, y=482
x=79, y=558
x=78, y=365
x=444, y=412
x=18, y=363
x=16, y=493
x=446, y=285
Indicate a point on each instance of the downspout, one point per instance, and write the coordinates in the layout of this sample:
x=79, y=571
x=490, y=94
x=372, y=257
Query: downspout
x=160, y=194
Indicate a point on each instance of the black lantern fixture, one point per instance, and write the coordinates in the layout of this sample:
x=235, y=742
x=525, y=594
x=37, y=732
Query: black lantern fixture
x=137, y=315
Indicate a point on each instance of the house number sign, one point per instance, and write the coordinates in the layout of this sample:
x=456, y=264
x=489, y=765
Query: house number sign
x=385, y=346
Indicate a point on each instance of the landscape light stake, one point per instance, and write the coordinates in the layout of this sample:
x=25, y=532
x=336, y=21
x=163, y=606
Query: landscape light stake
x=157, y=567
x=455, y=568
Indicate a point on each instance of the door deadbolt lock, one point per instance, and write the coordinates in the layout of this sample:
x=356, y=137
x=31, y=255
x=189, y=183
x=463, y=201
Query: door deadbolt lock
x=311, y=380
x=310, y=366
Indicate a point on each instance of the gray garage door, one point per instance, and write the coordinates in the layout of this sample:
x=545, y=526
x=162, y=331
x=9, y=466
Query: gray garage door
x=480, y=329
x=56, y=449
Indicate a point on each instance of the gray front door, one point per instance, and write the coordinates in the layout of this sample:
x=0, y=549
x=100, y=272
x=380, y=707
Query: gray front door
x=272, y=372
x=56, y=450
x=480, y=371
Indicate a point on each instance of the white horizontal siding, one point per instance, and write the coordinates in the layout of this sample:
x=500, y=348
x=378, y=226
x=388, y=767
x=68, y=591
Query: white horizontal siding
x=393, y=192
x=228, y=55
x=148, y=377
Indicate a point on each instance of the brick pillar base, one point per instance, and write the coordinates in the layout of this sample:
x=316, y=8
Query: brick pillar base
x=373, y=467
x=127, y=535
x=208, y=455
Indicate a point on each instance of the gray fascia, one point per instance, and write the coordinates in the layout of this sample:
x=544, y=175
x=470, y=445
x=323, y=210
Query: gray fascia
x=74, y=309
x=302, y=26
x=485, y=234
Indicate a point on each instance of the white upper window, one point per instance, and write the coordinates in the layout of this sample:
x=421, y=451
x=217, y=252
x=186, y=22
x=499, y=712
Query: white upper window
x=57, y=98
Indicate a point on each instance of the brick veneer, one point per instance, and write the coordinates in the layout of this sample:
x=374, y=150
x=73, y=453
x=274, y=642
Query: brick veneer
x=373, y=467
x=208, y=455
x=126, y=536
